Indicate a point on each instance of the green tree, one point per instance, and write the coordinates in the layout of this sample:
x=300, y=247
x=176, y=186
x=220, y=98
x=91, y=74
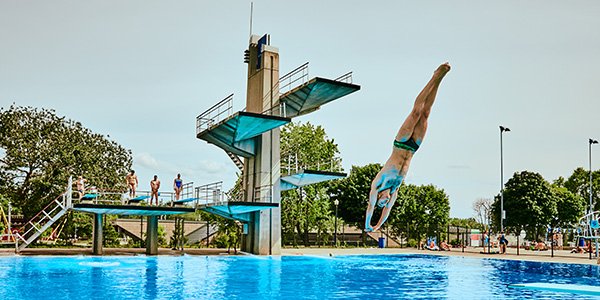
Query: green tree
x=419, y=211
x=41, y=151
x=579, y=184
x=529, y=202
x=570, y=207
x=307, y=147
x=352, y=193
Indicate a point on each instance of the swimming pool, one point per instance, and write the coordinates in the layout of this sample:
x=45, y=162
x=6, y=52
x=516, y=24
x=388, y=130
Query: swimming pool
x=287, y=277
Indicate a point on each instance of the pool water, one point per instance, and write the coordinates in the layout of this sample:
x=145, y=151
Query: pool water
x=287, y=277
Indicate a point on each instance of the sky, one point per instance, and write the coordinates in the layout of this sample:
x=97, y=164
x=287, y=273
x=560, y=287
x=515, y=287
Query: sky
x=141, y=71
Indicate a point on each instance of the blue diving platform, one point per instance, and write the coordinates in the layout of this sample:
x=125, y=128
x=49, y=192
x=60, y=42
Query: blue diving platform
x=137, y=199
x=234, y=133
x=311, y=95
x=184, y=201
x=308, y=177
x=131, y=210
x=90, y=196
x=236, y=210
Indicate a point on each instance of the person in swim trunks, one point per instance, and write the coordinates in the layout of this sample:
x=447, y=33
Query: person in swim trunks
x=384, y=188
x=177, y=186
x=132, y=182
x=154, y=186
x=81, y=186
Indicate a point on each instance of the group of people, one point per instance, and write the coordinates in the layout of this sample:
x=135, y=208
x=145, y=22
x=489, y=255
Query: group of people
x=132, y=183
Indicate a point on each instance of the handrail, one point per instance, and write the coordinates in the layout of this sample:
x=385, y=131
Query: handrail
x=345, y=78
x=301, y=72
x=291, y=165
x=215, y=114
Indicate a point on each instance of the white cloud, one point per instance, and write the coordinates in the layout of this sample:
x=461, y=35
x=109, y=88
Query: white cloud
x=146, y=160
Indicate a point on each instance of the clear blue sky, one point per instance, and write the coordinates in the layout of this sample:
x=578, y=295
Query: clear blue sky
x=141, y=71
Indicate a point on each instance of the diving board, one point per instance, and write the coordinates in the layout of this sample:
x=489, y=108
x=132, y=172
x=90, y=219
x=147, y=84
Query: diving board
x=307, y=177
x=183, y=201
x=90, y=196
x=311, y=95
x=137, y=199
x=559, y=287
x=234, y=133
x=236, y=210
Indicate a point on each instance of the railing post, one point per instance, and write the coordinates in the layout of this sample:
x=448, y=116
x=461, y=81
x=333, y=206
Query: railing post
x=69, y=198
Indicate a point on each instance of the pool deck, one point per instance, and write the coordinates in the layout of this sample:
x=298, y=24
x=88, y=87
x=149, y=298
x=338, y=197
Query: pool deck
x=560, y=256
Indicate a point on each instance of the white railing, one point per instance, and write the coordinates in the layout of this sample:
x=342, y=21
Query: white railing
x=212, y=116
x=290, y=165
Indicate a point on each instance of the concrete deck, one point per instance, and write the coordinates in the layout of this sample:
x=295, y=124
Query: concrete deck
x=560, y=256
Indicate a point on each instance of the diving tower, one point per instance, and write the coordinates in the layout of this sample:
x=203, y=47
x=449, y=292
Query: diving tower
x=251, y=139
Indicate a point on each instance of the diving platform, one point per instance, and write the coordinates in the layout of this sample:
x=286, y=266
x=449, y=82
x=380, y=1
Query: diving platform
x=151, y=212
x=311, y=95
x=130, y=210
x=234, y=132
x=236, y=210
x=308, y=177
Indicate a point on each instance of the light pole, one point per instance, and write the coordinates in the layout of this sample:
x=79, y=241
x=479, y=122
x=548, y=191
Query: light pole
x=502, y=214
x=336, y=202
x=591, y=141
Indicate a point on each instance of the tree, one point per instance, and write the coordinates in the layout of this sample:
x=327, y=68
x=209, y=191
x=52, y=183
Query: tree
x=579, y=184
x=41, y=151
x=353, y=192
x=529, y=202
x=570, y=207
x=482, y=208
x=308, y=147
x=419, y=210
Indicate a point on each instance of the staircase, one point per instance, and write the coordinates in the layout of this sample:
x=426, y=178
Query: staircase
x=236, y=160
x=36, y=226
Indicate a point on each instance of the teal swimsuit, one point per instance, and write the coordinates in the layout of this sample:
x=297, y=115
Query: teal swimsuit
x=409, y=145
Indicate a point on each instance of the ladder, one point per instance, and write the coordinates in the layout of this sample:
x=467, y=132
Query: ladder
x=36, y=226
x=236, y=160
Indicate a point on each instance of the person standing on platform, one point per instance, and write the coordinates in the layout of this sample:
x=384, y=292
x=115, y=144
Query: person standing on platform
x=132, y=183
x=81, y=186
x=154, y=186
x=178, y=186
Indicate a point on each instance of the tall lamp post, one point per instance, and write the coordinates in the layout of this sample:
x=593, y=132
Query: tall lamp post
x=591, y=141
x=336, y=202
x=502, y=214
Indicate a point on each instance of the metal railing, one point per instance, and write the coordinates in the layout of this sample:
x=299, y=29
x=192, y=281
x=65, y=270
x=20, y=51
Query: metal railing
x=290, y=165
x=212, y=116
x=291, y=79
x=347, y=78
x=263, y=193
x=211, y=193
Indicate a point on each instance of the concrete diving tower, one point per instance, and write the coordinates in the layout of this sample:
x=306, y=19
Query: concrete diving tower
x=251, y=138
x=234, y=132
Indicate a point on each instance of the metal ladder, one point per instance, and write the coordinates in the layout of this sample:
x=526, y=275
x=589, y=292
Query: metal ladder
x=36, y=226
x=236, y=160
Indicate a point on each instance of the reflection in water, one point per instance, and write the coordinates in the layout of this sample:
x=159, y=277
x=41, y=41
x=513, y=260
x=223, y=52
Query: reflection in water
x=150, y=279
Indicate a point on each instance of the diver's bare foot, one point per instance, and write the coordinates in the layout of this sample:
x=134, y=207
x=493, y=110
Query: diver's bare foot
x=442, y=69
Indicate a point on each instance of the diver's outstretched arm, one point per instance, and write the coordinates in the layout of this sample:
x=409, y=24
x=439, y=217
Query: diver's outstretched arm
x=370, y=208
x=385, y=213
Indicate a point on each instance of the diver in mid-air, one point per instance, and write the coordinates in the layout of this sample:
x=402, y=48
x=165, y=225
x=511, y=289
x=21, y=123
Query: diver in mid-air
x=384, y=188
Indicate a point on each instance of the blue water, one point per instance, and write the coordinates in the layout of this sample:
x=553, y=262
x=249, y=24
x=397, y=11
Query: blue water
x=288, y=277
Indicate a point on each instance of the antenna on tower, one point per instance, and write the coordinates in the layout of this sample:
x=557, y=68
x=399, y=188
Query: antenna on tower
x=251, y=10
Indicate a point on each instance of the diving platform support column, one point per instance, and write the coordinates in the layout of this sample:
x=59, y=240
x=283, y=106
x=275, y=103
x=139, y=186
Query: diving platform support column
x=261, y=172
x=152, y=235
x=98, y=237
